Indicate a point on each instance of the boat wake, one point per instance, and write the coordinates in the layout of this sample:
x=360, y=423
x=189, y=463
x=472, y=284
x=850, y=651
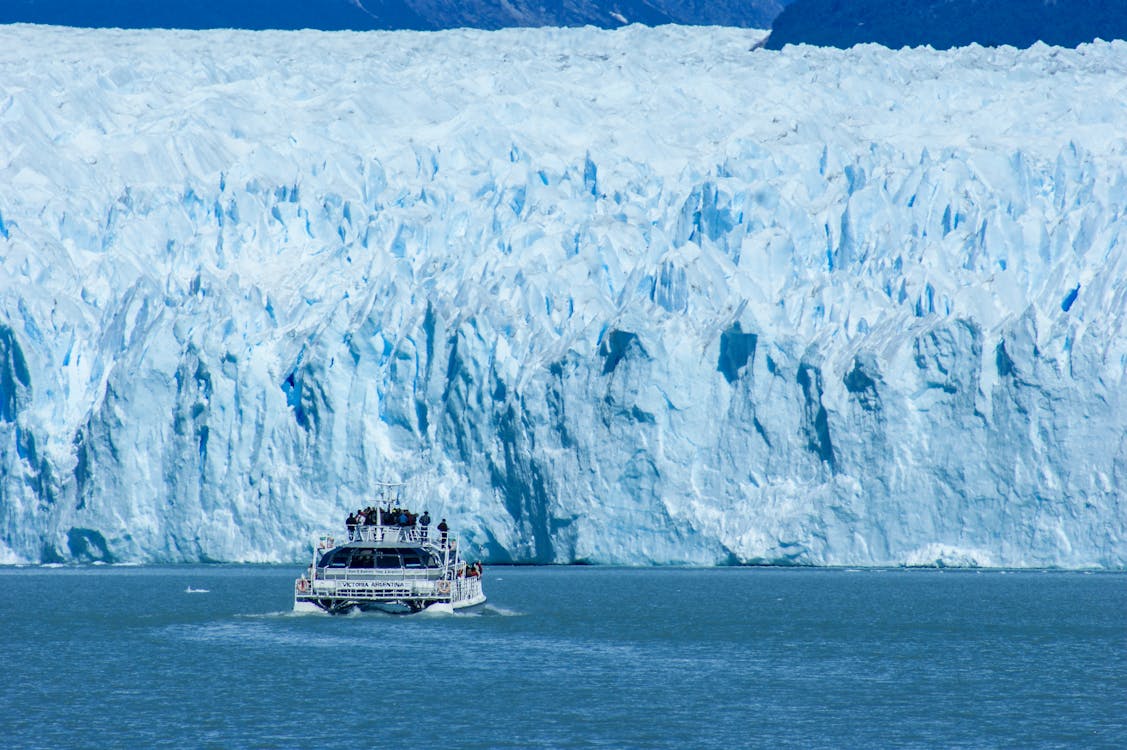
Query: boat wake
x=492, y=610
x=191, y=590
x=275, y=615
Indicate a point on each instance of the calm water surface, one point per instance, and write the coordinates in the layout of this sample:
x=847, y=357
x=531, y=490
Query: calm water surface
x=569, y=658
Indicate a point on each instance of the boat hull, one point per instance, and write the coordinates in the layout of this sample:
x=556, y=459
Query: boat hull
x=317, y=596
x=339, y=606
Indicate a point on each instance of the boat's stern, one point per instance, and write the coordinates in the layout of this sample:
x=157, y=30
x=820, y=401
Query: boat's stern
x=388, y=594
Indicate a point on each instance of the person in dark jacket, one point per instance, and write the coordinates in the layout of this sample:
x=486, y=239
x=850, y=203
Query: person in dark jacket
x=424, y=522
x=443, y=529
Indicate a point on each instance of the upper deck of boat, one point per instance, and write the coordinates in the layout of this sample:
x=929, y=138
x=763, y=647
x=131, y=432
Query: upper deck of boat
x=391, y=535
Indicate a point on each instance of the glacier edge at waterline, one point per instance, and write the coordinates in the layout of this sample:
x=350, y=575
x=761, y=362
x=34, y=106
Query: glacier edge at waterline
x=641, y=296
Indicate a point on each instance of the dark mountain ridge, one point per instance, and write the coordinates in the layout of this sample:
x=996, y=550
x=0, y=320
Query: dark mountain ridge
x=943, y=24
x=368, y=15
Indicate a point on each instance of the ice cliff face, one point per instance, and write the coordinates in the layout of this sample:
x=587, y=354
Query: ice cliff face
x=633, y=296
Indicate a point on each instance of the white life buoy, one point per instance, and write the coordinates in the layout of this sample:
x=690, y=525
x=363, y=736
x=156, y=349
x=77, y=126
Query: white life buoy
x=443, y=587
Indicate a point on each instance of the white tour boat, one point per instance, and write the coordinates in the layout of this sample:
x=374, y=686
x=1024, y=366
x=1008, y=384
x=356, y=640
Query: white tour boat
x=391, y=562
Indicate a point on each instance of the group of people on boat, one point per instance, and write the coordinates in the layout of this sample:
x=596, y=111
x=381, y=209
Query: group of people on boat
x=471, y=570
x=394, y=516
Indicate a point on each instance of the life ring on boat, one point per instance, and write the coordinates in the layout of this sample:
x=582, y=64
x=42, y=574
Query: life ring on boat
x=302, y=584
x=443, y=587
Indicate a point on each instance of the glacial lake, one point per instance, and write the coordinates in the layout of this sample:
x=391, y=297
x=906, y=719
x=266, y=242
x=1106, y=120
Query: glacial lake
x=569, y=657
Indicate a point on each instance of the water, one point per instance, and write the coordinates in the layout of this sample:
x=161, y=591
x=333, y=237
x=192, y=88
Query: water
x=569, y=658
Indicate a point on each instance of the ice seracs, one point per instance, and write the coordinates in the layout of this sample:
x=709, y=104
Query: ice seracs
x=728, y=306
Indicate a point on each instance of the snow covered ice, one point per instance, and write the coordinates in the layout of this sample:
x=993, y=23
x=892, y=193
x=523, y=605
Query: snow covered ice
x=649, y=295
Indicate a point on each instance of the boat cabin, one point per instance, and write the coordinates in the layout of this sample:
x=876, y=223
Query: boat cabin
x=364, y=556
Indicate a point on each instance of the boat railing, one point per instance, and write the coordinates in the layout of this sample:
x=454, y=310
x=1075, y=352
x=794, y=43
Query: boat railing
x=466, y=587
x=384, y=533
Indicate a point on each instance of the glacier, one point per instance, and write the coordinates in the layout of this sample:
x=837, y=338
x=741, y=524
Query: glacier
x=644, y=296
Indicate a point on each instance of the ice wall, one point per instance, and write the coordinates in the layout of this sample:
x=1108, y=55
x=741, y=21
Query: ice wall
x=650, y=295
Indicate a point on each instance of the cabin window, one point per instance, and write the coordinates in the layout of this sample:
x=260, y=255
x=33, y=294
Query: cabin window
x=363, y=559
x=337, y=558
x=387, y=560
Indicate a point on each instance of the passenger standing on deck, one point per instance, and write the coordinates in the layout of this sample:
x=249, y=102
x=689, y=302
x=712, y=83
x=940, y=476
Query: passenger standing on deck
x=424, y=522
x=443, y=529
x=351, y=524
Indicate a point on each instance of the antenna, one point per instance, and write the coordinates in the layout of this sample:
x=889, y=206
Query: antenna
x=389, y=492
